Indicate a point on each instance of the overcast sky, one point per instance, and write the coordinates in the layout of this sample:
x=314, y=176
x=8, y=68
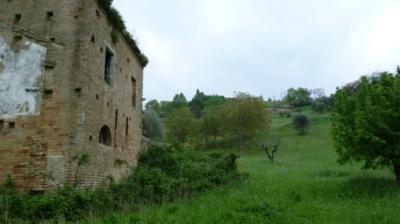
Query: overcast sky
x=261, y=46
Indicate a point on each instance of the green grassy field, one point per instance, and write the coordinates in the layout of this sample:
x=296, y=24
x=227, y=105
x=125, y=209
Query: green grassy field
x=305, y=185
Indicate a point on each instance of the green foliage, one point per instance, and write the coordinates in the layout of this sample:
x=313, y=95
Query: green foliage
x=198, y=103
x=180, y=125
x=152, y=125
x=246, y=117
x=153, y=105
x=298, y=97
x=301, y=123
x=305, y=186
x=366, y=122
x=214, y=100
x=323, y=104
x=163, y=174
x=179, y=101
x=213, y=125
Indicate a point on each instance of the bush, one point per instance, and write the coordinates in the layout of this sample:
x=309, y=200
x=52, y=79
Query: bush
x=301, y=123
x=163, y=174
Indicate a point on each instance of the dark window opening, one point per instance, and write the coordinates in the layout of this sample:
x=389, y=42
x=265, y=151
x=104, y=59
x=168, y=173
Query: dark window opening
x=17, y=18
x=126, y=129
x=11, y=125
x=93, y=39
x=134, y=92
x=97, y=13
x=49, y=16
x=90, y=138
x=1, y=125
x=78, y=91
x=97, y=97
x=105, y=136
x=115, y=128
x=108, y=67
x=53, y=39
x=47, y=93
x=116, y=119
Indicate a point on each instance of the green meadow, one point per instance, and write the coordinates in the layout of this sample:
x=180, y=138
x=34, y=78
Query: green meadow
x=304, y=185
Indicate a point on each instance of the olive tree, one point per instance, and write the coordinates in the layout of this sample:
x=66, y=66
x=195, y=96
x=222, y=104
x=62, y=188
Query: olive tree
x=366, y=122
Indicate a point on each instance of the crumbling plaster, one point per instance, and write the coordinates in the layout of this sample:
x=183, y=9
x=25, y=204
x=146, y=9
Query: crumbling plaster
x=21, y=78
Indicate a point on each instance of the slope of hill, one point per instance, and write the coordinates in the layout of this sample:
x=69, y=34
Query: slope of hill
x=304, y=185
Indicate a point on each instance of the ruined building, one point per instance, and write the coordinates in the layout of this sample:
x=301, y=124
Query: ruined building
x=70, y=92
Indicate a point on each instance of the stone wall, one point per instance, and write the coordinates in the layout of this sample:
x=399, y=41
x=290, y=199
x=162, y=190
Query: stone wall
x=72, y=101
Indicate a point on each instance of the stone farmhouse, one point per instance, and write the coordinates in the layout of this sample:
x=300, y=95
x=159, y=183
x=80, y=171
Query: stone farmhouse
x=70, y=88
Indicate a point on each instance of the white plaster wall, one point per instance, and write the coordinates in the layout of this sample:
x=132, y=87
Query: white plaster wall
x=21, y=78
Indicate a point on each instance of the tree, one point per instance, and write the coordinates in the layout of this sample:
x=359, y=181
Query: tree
x=153, y=105
x=212, y=124
x=214, y=100
x=179, y=101
x=398, y=70
x=247, y=115
x=366, y=122
x=152, y=125
x=323, y=104
x=198, y=103
x=298, y=97
x=168, y=107
x=180, y=124
x=301, y=123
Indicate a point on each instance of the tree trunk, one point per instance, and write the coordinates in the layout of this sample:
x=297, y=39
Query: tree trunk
x=397, y=173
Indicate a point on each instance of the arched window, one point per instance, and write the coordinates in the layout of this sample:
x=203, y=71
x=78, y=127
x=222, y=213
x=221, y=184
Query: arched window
x=105, y=136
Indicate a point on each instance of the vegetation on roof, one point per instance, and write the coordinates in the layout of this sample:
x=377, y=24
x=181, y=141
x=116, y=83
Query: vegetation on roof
x=118, y=24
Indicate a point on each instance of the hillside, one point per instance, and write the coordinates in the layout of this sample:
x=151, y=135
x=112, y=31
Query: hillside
x=305, y=185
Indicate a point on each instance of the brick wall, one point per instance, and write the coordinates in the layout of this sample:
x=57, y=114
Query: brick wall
x=76, y=102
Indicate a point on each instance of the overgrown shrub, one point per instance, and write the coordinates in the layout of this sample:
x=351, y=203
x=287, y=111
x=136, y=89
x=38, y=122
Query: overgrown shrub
x=301, y=123
x=163, y=174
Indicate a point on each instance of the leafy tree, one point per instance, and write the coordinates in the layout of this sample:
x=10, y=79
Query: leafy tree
x=180, y=124
x=153, y=105
x=247, y=116
x=366, y=122
x=198, y=103
x=301, y=123
x=323, y=104
x=152, y=125
x=212, y=124
x=398, y=70
x=298, y=97
x=179, y=101
x=168, y=107
x=214, y=100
